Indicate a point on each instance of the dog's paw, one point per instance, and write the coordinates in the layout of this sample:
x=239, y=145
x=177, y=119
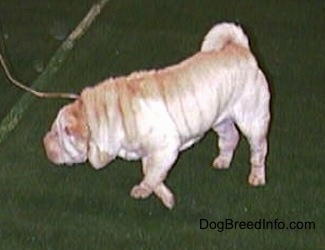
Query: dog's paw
x=256, y=179
x=140, y=192
x=168, y=201
x=165, y=195
x=221, y=162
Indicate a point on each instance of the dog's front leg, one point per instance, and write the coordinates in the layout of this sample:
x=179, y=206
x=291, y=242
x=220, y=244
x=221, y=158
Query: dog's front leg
x=155, y=168
x=161, y=191
x=97, y=158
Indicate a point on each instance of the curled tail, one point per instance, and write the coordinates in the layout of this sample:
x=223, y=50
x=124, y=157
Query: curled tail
x=223, y=34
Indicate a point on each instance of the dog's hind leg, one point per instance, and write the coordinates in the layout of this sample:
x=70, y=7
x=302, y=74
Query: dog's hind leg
x=257, y=138
x=253, y=118
x=227, y=142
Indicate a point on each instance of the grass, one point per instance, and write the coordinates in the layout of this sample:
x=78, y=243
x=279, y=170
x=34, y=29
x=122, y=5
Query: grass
x=49, y=207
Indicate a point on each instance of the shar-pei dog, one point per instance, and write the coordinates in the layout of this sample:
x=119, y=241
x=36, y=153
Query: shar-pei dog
x=153, y=115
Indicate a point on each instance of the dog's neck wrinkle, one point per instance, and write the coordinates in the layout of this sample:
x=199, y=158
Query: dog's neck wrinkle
x=102, y=126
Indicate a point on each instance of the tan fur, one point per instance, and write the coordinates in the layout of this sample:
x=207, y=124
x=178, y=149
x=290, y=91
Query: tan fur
x=153, y=115
x=74, y=126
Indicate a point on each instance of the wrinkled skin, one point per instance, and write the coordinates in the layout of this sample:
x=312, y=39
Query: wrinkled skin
x=153, y=115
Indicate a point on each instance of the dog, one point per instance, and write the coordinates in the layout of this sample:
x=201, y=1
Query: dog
x=153, y=115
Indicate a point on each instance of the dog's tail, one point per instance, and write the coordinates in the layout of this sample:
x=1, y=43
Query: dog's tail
x=221, y=35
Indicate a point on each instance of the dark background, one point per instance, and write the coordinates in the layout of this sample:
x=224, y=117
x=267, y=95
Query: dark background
x=43, y=206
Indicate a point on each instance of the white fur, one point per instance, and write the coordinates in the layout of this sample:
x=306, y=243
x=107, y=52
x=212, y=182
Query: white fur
x=156, y=114
x=222, y=33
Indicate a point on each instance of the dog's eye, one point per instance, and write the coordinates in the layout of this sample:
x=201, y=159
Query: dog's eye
x=67, y=130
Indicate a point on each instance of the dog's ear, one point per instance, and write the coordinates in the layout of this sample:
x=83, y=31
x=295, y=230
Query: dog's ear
x=76, y=124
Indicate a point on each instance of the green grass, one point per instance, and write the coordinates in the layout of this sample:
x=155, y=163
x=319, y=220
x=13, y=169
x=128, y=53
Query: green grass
x=48, y=207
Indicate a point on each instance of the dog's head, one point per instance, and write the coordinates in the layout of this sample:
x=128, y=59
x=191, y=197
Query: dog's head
x=67, y=141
